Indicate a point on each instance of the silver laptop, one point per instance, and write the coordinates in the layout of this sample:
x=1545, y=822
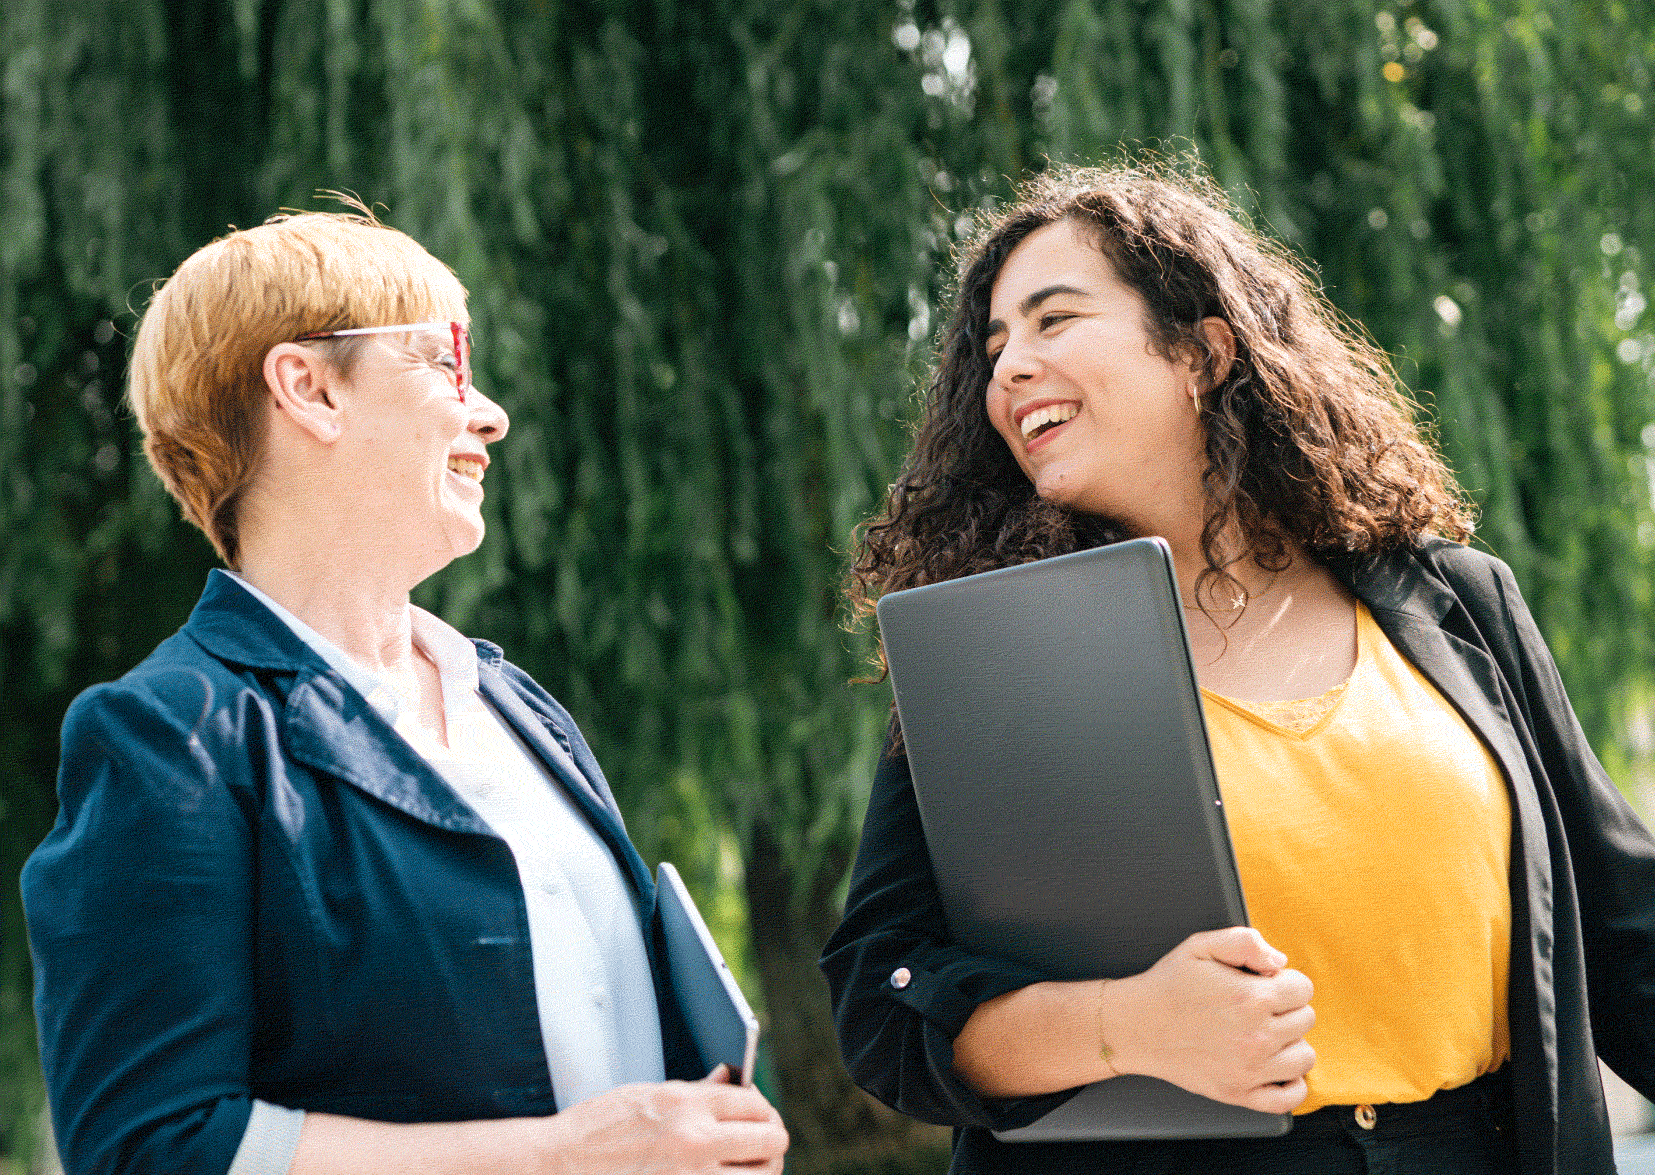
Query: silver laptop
x=1060, y=761
x=720, y=1020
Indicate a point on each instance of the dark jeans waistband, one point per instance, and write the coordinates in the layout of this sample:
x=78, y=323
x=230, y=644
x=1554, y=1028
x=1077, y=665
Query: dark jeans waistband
x=1465, y=1131
x=1490, y=1093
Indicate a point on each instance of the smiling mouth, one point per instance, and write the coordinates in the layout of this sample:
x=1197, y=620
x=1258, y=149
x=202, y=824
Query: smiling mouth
x=466, y=467
x=1043, y=420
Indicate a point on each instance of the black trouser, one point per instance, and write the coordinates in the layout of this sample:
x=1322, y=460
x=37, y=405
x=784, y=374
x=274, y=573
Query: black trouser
x=1465, y=1131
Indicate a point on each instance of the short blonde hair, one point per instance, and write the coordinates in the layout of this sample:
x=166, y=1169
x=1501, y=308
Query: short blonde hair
x=196, y=380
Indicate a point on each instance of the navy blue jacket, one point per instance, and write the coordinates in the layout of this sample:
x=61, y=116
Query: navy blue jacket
x=256, y=889
x=1582, y=899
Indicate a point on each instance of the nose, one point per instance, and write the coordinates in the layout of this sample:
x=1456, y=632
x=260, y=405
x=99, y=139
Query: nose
x=1016, y=363
x=488, y=420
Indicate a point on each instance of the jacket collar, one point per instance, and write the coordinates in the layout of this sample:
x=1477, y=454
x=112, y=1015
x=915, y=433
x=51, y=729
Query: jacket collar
x=329, y=726
x=1422, y=615
x=1395, y=581
x=239, y=630
x=537, y=730
x=326, y=724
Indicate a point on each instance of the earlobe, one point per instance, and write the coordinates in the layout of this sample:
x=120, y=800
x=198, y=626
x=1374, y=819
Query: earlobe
x=301, y=386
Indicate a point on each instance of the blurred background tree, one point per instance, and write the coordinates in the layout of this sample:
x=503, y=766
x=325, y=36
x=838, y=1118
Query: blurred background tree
x=707, y=245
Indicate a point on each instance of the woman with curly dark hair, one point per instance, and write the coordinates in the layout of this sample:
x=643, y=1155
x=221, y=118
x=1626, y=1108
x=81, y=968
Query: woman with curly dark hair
x=1420, y=825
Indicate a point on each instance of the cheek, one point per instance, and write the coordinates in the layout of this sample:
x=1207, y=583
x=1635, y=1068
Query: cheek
x=994, y=404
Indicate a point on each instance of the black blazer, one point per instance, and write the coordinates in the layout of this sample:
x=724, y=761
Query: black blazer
x=256, y=889
x=1582, y=897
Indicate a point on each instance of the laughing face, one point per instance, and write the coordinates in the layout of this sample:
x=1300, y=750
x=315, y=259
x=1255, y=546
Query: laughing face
x=1099, y=419
x=421, y=449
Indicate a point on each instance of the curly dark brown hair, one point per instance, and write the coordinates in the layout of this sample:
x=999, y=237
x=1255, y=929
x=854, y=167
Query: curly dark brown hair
x=1309, y=434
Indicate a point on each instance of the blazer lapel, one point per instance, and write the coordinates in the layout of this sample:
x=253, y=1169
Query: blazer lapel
x=1412, y=607
x=326, y=724
x=330, y=728
x=1468, y=677
x=578, y=771
x=561, y=763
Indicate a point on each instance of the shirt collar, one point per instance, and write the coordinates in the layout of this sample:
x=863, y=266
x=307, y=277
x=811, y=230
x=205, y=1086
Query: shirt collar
x=449, y=650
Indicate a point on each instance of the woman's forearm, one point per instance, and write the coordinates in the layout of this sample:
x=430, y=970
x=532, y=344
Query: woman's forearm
x=1037, y=1039
x=670, y=1127
x=1218, y=1015
x=333, y=1145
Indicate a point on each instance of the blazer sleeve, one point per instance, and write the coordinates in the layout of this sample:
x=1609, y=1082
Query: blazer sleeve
x=1611, y=851
x=140, y=918
x=901, y=990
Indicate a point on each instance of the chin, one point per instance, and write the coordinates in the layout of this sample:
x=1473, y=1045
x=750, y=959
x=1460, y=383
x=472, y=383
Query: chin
x=469, y=543
x=1059, y=490
x=463, y=538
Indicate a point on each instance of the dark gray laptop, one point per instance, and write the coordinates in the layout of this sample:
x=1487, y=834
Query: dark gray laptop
x=1060, y=761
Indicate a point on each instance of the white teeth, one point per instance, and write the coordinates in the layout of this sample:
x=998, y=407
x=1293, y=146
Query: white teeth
x=1051, y=414
x=466, y=467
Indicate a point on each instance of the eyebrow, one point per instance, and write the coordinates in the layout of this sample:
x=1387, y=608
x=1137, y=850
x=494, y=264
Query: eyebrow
x=1027, y=305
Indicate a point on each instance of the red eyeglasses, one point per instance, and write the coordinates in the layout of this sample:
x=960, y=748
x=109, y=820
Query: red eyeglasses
x=458, y=332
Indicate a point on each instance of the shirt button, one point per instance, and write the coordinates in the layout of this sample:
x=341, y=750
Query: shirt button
x=1366, y=1117
x=901, y=977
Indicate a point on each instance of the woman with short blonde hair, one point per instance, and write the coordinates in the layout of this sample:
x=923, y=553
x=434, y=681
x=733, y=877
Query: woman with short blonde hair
x=333, y=888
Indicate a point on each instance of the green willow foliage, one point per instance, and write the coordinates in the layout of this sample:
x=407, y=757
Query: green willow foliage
x=1466, y=176
x=706, y=245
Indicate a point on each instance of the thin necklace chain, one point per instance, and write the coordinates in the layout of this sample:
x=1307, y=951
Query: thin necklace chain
x=1234, y=607
x=1246, y=598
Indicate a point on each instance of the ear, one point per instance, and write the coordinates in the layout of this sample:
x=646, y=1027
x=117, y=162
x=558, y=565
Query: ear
x=302, y=385
x=1221, y=347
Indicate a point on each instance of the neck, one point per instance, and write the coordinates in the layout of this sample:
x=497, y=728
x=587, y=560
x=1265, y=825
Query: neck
x=1174, y=508
x=1190, y=562
x=347, y=585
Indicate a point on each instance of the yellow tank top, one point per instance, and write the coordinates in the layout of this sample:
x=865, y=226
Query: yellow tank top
x=1373, y=834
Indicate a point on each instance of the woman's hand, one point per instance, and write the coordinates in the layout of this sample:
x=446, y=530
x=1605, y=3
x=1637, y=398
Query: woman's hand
x=671, y=1128
x=1219, y=1015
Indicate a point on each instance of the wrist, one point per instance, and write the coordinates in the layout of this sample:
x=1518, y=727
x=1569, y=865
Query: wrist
x=546, y=1143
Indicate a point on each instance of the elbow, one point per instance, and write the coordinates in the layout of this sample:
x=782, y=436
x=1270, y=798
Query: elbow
x=908, y=1064
x=200, y=1140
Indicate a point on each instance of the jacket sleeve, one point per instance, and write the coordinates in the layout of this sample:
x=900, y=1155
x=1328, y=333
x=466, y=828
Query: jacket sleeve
x=1611, y=852
x=901, y=990
x=140, y=919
